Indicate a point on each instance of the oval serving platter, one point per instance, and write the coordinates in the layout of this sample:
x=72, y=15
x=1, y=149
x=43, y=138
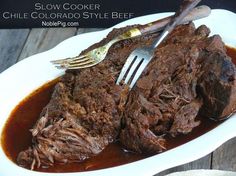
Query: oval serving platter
x=26, y=76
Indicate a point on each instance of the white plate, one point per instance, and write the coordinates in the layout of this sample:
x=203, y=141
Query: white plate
x=22, y=78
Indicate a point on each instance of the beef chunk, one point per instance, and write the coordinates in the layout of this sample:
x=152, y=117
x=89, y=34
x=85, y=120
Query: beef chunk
x=189, y=74
x=72, y=130
x=217, y=84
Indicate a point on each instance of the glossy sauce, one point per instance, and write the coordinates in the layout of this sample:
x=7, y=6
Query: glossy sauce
x=16, y=136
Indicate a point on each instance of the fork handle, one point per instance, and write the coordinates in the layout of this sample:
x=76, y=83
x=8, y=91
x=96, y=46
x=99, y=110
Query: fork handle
x=185, y=8
x=158, y=25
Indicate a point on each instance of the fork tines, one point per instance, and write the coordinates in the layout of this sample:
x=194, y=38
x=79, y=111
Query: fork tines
x=74, y=63
x=134, y=66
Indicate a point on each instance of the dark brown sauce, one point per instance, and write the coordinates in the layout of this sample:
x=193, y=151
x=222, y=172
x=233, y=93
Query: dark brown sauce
x=232, y=53
x=16, y=136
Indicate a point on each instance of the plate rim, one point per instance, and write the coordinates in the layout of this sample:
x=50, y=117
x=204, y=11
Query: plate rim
x=51, y=54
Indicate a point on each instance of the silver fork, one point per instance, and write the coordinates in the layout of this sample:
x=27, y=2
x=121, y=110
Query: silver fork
x=140, y=57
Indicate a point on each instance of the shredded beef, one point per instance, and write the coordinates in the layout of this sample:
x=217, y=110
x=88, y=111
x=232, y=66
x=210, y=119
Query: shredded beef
x=190, y=74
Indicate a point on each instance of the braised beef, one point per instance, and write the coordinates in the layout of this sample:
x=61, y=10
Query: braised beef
x=190, y=74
